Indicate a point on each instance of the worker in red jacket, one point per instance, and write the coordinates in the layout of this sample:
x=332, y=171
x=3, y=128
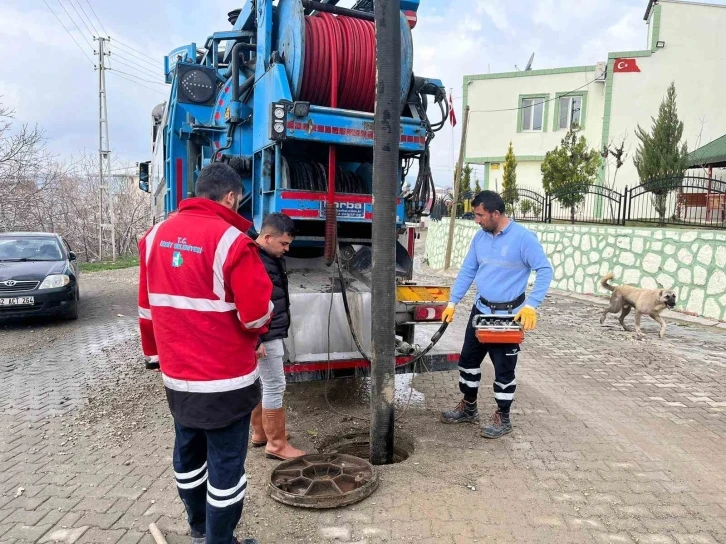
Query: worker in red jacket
x=204, y=299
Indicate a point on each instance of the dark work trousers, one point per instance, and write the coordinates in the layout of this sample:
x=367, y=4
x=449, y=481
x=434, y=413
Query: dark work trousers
x=504, y=358
x=209, y=467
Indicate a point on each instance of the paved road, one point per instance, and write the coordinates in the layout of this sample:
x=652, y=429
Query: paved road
x=616, y=440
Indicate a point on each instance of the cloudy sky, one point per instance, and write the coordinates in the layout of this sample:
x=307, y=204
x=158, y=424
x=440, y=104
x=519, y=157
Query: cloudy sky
x=50, y=80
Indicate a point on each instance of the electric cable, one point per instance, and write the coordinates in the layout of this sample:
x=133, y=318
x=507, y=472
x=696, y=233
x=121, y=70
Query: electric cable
x=568, y=93
x=137, y=77
x=115, y=73
x=96, y=16
x=75, y=25
x=69, y=33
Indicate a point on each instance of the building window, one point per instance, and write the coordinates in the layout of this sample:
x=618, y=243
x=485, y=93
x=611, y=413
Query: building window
x=570, y=111
x=532, y=114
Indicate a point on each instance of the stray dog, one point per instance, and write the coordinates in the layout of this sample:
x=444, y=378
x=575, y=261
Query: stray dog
x=645, y=301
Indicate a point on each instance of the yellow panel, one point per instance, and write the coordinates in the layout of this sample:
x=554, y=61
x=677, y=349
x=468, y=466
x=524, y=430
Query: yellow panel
x=422, y=293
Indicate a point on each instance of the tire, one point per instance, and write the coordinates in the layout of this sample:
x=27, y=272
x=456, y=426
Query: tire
x=72, y=314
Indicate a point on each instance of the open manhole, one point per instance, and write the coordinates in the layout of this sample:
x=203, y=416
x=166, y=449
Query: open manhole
x=323, y=480
x=359, y=444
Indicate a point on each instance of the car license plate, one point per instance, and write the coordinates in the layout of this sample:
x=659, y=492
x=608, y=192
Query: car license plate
x=18, y=301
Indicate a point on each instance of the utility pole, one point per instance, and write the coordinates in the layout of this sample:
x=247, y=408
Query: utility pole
x=104, y=155
x=386, y=160
x=457, y=178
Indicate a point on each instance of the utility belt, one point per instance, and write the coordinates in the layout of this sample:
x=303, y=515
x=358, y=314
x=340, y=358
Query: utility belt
x=501, y=306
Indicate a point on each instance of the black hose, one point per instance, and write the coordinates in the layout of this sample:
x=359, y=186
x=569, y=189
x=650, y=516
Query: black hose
x=434, y=339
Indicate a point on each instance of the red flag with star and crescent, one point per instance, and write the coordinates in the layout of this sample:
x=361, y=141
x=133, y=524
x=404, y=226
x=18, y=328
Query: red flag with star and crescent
x=625, y=65
x=452, y=115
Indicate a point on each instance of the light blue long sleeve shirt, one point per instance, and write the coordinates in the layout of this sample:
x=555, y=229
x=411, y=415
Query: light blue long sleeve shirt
x=500, y=267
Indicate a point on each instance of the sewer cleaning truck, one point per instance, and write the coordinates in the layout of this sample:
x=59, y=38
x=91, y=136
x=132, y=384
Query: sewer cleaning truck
x=286, y=98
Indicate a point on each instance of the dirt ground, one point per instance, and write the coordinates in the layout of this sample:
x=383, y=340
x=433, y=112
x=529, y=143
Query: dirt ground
x=615, y=439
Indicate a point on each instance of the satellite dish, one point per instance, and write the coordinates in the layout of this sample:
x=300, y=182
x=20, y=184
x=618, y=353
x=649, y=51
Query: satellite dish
x=529, y=64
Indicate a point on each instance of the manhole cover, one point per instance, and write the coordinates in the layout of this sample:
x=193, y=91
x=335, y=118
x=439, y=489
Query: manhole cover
x=323, y=480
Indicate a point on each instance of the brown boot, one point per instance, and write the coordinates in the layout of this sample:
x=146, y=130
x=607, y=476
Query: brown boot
x=259, y=438
x=277, y=446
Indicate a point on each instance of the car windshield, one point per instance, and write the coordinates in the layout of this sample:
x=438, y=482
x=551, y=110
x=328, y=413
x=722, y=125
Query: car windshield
x=29, y=248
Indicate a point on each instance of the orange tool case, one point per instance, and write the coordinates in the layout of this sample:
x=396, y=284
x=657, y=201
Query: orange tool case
x=497, y=329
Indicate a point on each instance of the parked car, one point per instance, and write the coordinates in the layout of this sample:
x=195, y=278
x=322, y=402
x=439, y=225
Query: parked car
x=38, y=276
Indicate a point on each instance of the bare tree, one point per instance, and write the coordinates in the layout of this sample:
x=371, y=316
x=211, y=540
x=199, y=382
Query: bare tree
x=40, y=193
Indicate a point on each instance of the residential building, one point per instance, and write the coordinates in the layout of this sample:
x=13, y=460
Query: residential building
x=608, y=100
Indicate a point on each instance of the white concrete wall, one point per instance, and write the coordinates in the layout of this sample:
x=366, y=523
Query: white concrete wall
x=693, y=57
x=528, y=175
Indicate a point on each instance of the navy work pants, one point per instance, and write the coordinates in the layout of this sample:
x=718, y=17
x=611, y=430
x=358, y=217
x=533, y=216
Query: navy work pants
x=209, y=467
x=504, y=358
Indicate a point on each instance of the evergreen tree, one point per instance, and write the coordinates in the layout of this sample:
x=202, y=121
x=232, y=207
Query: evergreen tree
x=464, y=188
x=569, y=170
x=661, y=159
x=510, y=194
x=477, y=187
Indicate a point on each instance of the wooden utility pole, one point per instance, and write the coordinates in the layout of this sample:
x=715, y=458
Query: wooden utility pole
x=457, y=178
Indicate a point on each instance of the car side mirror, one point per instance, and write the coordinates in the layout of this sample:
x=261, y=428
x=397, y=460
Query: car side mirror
x=72, y=256
x=144, y=176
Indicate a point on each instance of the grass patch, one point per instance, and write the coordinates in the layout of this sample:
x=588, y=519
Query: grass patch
x=122, y=262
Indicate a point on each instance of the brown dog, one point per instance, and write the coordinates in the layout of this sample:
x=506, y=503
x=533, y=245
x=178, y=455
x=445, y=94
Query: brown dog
x=650, y=302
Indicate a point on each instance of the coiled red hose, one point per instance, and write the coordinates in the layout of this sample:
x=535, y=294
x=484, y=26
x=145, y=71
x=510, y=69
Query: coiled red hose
x=349, y=45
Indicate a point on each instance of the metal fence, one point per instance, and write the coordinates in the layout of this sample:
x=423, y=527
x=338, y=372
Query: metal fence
x=588, y=204
x=681, y=200
x=677, y=201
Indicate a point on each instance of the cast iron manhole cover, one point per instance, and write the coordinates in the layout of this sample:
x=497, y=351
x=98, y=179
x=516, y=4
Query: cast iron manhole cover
x=326, y=480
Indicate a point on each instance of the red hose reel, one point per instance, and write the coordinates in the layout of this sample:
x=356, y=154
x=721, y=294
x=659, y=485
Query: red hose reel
x=348, y=46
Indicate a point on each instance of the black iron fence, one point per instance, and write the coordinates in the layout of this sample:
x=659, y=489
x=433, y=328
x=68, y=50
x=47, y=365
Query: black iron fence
x=679, y=200
x=676, y=201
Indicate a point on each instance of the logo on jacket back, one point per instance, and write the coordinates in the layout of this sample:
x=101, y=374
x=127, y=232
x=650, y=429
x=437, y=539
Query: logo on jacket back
x=177, y=260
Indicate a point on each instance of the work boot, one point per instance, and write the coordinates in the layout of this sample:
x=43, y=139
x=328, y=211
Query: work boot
x=277, y=446
x=259, y=438
x=198, y=538
x=465, y=412
x=498, y=425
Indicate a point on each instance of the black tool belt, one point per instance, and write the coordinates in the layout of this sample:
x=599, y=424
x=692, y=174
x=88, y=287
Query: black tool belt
x=499, y=306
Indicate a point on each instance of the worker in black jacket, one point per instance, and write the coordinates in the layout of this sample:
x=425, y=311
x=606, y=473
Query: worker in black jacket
x=268, y=418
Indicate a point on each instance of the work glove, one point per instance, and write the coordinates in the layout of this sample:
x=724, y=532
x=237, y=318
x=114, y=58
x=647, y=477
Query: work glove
x=448, y=314
x=527, y=316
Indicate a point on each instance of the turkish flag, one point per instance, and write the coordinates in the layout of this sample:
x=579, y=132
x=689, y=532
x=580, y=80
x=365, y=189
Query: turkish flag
x=452, y=114
x=625, y=65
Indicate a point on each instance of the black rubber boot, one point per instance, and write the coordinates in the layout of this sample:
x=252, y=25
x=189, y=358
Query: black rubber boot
x=498, y=425
x=465, y=412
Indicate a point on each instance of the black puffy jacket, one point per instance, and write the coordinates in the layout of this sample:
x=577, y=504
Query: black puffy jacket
x=277, y=270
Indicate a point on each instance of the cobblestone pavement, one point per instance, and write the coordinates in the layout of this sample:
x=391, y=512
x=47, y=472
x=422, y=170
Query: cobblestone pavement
x=615, y=440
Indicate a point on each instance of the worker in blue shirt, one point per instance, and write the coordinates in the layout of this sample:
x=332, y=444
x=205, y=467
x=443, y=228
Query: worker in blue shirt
x=500, y=260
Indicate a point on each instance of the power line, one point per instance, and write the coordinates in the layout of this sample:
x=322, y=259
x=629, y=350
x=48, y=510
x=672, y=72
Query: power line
x=96, y=16
x=69, y=33
x=115, y=72
x=95, y=31
x=75, y=25
x=81, y=18
x=568, y=93
x=136, y=66
x=155, y=71
x=122, y=44
x=137, y=77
